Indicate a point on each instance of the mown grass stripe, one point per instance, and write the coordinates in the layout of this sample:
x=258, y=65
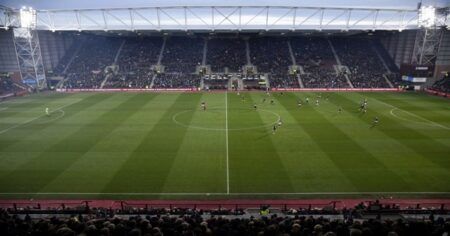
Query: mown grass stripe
x=421, y=144
x=149, y=164
x=421, y=100
x=22, y=132
x=412, y=167
x=363, y=169
x=254, y=160
x=39, y=170
x=111, y=151
x=200, y=165
x=33, y=102
x=417, y=108
x=309, y=166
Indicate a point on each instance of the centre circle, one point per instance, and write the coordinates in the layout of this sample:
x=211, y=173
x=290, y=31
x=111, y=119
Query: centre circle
x=214, y=119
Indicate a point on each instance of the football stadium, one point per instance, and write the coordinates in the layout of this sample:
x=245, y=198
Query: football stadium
x=225, y=117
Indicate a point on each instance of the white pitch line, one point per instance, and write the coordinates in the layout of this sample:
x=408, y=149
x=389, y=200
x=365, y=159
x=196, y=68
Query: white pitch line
x=174, y=119
x=417, y=122
x=31, y=120
x=226, y=141
x=417, y=116
x=236, y=194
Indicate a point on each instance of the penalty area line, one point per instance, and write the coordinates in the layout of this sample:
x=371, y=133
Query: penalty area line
x=35, y=118
x=412, y=114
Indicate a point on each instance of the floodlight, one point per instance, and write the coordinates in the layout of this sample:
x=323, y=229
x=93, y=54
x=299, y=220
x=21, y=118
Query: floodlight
x=28, y=17
x=427, y=16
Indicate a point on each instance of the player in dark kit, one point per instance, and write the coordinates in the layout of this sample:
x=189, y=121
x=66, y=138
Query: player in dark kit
x=271, y=102
x=274, y=129
x=255, y=107
x=204, y=106
x=375, y=121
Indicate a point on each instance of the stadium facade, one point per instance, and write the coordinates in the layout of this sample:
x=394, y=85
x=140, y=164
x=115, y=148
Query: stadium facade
x=224, y=163
x=412, y=35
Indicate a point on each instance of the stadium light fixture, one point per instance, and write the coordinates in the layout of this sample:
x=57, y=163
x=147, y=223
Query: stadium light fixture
x=427, y=16
x=27, y=17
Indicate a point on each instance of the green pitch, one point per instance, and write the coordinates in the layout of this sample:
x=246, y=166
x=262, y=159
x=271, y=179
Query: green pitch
x=163, y=145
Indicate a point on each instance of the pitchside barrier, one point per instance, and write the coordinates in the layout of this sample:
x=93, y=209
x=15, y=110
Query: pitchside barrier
x=330, y=206
x=196, y=89
x=15, y=94
x=339, y=89
x=6, y=96
x=129, y=90
x=320, y=206
x=438, y=93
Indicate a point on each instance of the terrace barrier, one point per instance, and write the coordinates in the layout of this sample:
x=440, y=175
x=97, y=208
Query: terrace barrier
x=312, y=206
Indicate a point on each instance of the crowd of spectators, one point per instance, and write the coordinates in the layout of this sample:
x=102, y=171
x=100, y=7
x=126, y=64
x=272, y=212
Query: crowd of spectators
x=442, y=85
x=316, y=77
x=132, y=79
x=316, y=57
x=176, y=80
x=6, y=84
x=366, y=68
x=284, y=81
x=270, y=55
x=87, y=70
x=65, y=60
x=183, y=54
x=312, y=51
x=396, y=79
x=226, y=52
x=390, y=63
x=194, y=223
x=134, y=62
x=11, y=85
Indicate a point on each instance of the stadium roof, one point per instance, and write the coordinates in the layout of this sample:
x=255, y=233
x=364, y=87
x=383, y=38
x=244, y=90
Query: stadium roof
x=89, y=4
x=225, y=15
